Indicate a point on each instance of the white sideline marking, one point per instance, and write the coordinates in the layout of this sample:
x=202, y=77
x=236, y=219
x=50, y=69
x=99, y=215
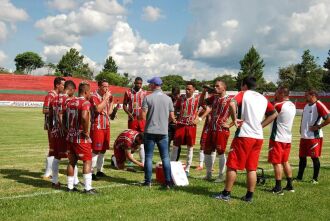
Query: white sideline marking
x=59, y=191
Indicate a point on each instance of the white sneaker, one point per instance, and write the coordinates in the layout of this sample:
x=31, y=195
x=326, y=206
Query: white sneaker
x=220, y=179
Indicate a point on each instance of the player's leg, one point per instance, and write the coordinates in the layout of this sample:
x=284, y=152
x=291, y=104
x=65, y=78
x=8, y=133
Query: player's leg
x=222, y=168
x=55, y=172
x=49, y=158
x=162, y=141
x=278, y=179
x=106, y=146
x=70, y=169
x=209, y=148
x=177, y=141
x=316, y=169
x=303, y=152
x=149, y=145
x=288, y=173
x=95, y=155
x=190, y=140
x=221, y=141
x=251, y=181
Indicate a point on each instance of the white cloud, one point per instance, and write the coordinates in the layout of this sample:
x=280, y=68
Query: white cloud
x=230, y=23
x=53, y=53
x=63, y=5
x=151, y=14
x=127, y=2
x=3, y=58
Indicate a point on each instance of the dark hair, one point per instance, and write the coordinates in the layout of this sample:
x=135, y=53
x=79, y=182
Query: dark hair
x=312, y=92
x=83, y=86
x=219, y=80
x=100, y=82
x=58, y=81
x=141, y=136
x=69, y=84
x=138, y=79
x=175, y=90
x=284, y=89
x=250, y=82
x=191, y=83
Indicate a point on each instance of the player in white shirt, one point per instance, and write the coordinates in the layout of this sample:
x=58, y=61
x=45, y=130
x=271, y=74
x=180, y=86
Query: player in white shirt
x=311, y=133
x=280, y=139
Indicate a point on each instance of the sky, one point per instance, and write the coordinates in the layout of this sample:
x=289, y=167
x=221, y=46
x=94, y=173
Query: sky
x=196, y=39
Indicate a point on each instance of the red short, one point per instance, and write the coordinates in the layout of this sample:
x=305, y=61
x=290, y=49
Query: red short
x=185, y=135
x=310, y=147
x=50, y=143
x=216, y=140
x=137, y=125
x=100, y=139
x=82, y=151
x=244, y=153
x=203, y=139
x=278, y=152
x=120, y=156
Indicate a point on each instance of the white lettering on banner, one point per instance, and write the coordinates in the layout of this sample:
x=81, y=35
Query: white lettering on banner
x=21, y=104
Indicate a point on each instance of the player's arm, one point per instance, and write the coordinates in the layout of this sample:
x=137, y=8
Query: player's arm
x=233, y=113
x=269, y=118
x=323, y=124
x=131, y=158
x=99, y=107
x=202, y=97
x=206, y=112
x=85, y=122
x=172, y=117
x=111, y=105
x=125, y=106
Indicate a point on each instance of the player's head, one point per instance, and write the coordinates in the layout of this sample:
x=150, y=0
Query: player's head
x=138, y=83
x=103, y=86
x=282, y=93
x=175, y=91
x=311, y=96
x=155, y=83
x=139, y=139
x=249, y=83
x=190, y=88
x=59, y=84
x=220, y=86
x=84, y=90
x=69, y=87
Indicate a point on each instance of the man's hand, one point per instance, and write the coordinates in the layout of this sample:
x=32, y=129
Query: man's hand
x=314, y=128
x=238, y=123
x=107, y=95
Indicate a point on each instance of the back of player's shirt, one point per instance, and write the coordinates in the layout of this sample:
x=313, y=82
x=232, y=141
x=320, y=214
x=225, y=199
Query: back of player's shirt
x=46, y=106
x=134, y=100
x=99, y=120
x=74, y=116
x=282, y=125
x=312, y=116
x=188, y=109
x=126, y=140
x=220, y=111
x=252, y=107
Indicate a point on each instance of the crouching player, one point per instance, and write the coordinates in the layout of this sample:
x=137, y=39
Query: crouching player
x=78, y=111
x=127, y=143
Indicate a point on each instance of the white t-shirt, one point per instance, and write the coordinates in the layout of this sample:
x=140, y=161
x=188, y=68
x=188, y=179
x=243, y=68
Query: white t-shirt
x=312, y=116
x=282, y=125
x=252, y=107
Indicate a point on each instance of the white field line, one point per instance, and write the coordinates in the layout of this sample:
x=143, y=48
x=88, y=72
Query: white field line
x=60, y=191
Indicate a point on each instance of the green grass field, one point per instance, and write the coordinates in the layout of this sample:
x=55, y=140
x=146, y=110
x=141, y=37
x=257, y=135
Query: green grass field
x=25, y=196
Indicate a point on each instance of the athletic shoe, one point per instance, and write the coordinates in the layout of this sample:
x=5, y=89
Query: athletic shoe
x=47, y=178
x=146, y=184
x=314, y=181
x=208, y=177
x=220, y=179
x=222, y=197
x=245, y=199
x=199, y=168
x=187, y=173
x=72, y=190
x=90, y=192
x=100, y=174
x=278, y=191
x=289, y=189
x=94, y=177
x=56, y=186
x=79, y=184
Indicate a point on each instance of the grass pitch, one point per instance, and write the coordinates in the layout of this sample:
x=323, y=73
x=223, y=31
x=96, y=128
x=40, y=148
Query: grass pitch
x=25, y=196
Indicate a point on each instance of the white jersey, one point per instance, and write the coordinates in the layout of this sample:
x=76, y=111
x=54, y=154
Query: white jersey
x=312, y=116
x=252, y=107
x=282, y=125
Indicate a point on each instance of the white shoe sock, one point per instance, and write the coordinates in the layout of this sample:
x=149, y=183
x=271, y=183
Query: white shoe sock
x=201, y=158
x=49, y=165
x=55, y=170
x=94, y=161
x=174, y=153
x=190, y=154
x=76, y=179
x=70, y=180
x=114, y=160
x=100, y=162
x=88, y=181
x=208, y=164
x=142, y=154
x=222, y=164
x=214, y=155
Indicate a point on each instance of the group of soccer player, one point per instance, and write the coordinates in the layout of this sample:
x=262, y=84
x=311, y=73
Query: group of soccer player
x=71, y=135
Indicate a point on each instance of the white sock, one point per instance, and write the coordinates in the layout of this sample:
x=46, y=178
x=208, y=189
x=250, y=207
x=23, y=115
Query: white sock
x=114, y=160
x=214, y=155
x=100, y=162
x=190, y=154
x=222, y=164
x=94, y=161
x=55, y=170
x=142, y=154
x=174, y=153
x=70, y=182
x=208, y=164
x=201, y=158
x=49, y=165
x=88, y=181
x=76, y=179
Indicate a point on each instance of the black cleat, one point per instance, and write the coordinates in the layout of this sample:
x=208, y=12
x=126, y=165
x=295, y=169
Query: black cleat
x=100, y=174
x=94, y=177
x=90, y=192
x=277, y=191
x=289, y=189
x=246, y=199
x=72, y=190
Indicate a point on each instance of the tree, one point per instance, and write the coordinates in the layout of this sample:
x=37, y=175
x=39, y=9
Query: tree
x=113, y=78
x=110, y=65
x=72, y=64
x=326, y=75
x=27, y=62
x=3, y=70
x=251, y=65
x=287, y=76
x=170, y=81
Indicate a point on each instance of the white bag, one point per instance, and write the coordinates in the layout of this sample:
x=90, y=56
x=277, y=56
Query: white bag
x=178, y=174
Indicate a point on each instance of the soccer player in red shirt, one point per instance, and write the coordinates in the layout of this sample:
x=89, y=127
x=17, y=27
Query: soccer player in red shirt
x=132, y=106
x=127, y=143
x=185, y=132
x=101, y=108
x=311, y=134
x=78, y=118
x=247, y=110
x=218, y=131
x=58, y=88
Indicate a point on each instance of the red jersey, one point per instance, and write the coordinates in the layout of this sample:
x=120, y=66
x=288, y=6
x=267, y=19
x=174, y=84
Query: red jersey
x=188, y=109
x=56, y=106
x=134, y=99
x=220, y=111
x=65, y=100
x=47, y=102
x=99, y=120
x=74, y=113
x=125, y=140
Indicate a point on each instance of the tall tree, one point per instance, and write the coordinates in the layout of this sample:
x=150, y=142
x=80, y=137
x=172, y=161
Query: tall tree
x=110, y=65
x=113, y=78
x=287, y=76
x=72, y=64
x=251, y=65
x=170, y=81
x=27, y=62
x=326, y=76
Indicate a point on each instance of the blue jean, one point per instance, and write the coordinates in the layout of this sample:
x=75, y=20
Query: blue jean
x=149, y=144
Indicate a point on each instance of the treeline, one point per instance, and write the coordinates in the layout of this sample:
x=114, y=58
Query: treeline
x=298, y=77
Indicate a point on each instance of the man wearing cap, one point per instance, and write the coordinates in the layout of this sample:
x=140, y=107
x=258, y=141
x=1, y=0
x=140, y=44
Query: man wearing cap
x=157, y=107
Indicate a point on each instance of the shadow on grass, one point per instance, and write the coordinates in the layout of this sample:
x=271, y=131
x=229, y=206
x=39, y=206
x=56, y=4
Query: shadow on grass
x=26, y=177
